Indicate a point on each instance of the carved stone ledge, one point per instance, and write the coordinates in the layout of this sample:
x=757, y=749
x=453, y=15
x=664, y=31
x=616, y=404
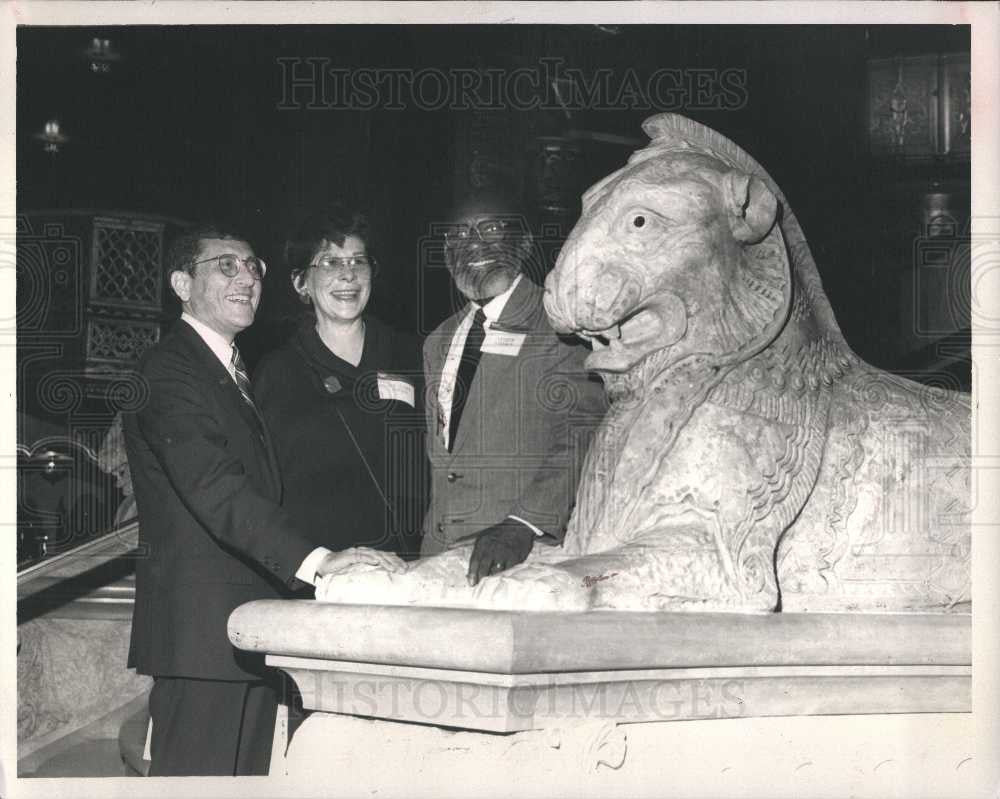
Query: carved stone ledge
x=501, y=671
x=505, y=642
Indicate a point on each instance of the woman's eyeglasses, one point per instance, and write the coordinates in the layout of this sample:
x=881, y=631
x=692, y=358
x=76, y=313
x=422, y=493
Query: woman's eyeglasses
x=363, y=265
x=229, y=265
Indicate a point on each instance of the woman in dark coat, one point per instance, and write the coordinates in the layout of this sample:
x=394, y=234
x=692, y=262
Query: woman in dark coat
x=342, y=400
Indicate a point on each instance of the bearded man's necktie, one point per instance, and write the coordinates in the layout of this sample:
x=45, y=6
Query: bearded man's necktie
x=471, y=354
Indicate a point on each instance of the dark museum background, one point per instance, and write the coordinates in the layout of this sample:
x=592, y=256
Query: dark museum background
x=186, y=125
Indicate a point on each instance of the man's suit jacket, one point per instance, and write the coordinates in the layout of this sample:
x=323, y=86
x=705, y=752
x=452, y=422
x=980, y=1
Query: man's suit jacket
x=523, y=433
x=212, y=535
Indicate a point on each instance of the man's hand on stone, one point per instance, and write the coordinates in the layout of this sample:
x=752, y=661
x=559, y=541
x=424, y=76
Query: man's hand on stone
x=339, y=562
x=498, y=548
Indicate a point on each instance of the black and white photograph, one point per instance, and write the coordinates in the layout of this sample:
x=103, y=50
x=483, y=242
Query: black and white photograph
x=501, y=399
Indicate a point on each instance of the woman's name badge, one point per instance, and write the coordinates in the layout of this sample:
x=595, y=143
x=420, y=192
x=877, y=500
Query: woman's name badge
x=503, y=342
x=391, y=387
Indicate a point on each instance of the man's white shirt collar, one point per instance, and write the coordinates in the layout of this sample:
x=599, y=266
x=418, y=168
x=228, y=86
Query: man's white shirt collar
x=216, y=341
x=493, y=308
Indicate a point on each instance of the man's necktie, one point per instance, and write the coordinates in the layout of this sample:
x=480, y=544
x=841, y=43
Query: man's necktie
x=471, y=354
x=242, y=379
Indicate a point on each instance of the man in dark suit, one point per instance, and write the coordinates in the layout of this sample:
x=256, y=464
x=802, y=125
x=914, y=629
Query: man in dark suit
x=212, y=532
x=510, y=406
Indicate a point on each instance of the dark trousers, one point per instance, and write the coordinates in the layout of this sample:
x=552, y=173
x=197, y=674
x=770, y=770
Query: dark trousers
x=210, y=727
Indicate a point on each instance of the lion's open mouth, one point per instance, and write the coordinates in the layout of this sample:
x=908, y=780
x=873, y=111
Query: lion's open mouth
x=659, y=323
x=635, y=328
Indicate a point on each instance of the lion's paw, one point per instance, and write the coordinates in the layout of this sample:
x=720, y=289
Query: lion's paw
x=532, y=587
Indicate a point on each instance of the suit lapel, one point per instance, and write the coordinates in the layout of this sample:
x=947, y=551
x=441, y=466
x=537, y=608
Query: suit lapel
x=229, y=394
x=441, y=340
x=522, y=309
x=437, y=346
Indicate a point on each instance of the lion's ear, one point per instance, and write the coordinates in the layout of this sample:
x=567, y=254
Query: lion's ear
x=751, y=206
x=760, y=294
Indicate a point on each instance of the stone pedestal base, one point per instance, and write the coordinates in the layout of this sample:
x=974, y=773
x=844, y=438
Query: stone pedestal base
x=501, y=703
x=873, y=755
x=70, y=673
x=423, y=701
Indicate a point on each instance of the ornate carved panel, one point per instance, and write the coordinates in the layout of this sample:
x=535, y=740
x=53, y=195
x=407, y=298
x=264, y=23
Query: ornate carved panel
x=119, y=341
x=902, y=106
x=920, y=106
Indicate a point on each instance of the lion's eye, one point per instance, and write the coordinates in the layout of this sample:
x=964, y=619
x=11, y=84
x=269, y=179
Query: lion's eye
x=640, y=226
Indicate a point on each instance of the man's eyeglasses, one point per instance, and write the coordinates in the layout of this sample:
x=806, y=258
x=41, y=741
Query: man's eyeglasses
x=229, y=265
x=488, y=230
x=363, y=265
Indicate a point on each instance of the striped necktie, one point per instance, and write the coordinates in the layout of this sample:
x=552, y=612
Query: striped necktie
x=242, y=380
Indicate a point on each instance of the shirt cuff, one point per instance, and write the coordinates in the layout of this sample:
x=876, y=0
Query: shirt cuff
x=307, y=571
x=527, y=524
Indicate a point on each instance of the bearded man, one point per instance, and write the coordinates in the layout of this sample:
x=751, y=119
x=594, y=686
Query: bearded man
x=510, y=406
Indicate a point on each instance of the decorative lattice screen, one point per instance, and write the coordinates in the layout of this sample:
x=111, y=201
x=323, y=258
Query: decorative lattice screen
x=119, y=341
x=126, y=263
x=126, y=286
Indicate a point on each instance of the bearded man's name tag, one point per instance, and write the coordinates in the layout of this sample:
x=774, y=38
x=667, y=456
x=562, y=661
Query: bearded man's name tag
x=393, y=387
x=503, y=342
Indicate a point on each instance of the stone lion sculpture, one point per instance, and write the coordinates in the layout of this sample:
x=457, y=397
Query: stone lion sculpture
x=749, y=461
